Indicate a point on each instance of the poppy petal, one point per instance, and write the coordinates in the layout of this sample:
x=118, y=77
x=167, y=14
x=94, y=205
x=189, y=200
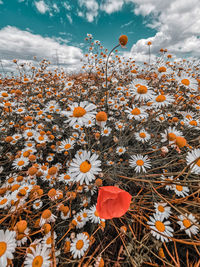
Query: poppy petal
x=112, y=202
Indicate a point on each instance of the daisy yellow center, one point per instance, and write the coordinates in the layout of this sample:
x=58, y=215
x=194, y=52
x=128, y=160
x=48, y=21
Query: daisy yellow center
x=140, y=162
x=30, y=134
x=67, y=146
x=85, y=166
x=96, y=213
x=198, y=163
x=179, y=187
x=193, y=123
x=185, y=82
x=38, y=261
x=66, y=177
x=142, y=89
x=41, y=138
x=48, y=241
x=160, y=226
x=20, y=163
x=161, y=208
x=4, y=94
x=188, y=116
x=186, y=223
x=160, y=98
x=3, y=247
x=120, y=150
x=142, y=135
x=79, y=244
x=135, y=111
x=162, y=69
x=79, y=112
x=106, y=131
x=171, y=136
x=20, y=109
x=85, y=215
x=3, y=201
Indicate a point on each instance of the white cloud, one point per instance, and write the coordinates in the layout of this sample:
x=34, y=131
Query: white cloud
x=126, y=24
x=67, y=6
x=55, y=8
x=110, y=6
x=23, y=45
x=69, y=18
x=1, y=2
x=177, y=23
x=91, y=9
x=41, y=7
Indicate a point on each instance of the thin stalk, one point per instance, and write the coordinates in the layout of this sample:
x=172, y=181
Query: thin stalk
x=107, y=75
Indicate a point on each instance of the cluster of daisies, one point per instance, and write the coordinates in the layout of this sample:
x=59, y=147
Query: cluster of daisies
x=160, y=226
x=64, y=137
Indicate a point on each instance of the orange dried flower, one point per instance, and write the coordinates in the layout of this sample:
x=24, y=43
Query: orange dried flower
x=123, y=40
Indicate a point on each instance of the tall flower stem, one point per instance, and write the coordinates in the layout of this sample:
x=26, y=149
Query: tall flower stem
x=107, y=93
x=149, y=55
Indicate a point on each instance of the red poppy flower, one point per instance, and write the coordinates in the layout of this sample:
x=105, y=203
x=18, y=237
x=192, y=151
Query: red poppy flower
x=112, y=202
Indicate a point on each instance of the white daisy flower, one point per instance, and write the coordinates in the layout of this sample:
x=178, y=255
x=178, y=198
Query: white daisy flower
x=194, y=156
x=187, y=223
x=93, y=215
x=5, y=202
x=141, y=91
x=187, y=81
x=160, y=228
x=22, y=237
x=180, y=190
x=4, y=94
x=66, y=145
x=79, y=220
x=119, y=126
x=110, y=162
x=50, y=158
x=106, y=131
x=170, y=134
x=84, y=167
x=65, y=213
x=16, y=137
x=47, y=240
x=47, y=217
x=65, y=178
x=37, y=204
x=191, y=123
x=79, y=245
x=38, y=257
x=136, y=113
x=162, y=210
x=160, y=101
x=120, y=150
x=7, y=246
x=40, y=138
x=20, y=110
x=142, y=136
x=29, y=134
x=20, y=163
x=80, y=113
x=140, y=163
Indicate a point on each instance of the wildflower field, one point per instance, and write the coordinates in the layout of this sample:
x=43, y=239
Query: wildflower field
x=101, y=168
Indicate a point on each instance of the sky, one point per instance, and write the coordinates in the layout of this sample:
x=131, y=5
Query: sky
x=56, y=29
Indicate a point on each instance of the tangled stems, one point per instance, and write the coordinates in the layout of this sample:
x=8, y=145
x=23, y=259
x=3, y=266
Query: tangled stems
x=107, y=93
